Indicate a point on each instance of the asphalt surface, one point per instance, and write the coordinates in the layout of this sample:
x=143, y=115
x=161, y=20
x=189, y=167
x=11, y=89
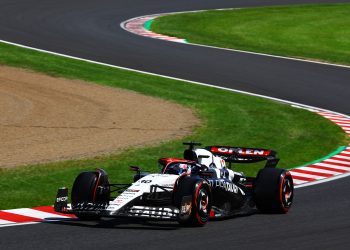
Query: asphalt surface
x=90, y=29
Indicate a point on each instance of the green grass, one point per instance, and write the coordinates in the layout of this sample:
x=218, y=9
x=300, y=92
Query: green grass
x=319, y=31
x=234, y=119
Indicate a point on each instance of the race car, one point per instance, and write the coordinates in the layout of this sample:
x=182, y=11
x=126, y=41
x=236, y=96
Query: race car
x=192, y=190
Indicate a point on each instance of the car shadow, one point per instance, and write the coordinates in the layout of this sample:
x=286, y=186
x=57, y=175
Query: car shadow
x=117, y=223
x=136, y=223
x=245, y=213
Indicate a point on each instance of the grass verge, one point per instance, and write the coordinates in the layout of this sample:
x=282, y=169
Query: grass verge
x=235, y=119
x=319, y=32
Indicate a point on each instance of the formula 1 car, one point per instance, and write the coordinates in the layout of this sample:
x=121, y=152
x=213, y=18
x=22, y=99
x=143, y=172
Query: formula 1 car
x=190, y=190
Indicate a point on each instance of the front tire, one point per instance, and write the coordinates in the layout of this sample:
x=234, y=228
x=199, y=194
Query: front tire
x=85, y=191
x=273, y=190
x=193, y=198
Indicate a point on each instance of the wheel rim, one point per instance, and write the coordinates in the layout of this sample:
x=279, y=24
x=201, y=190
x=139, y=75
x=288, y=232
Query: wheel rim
x=287, y=192
x=203, y=201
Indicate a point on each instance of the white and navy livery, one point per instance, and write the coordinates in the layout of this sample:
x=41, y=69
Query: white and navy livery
x=191, y=190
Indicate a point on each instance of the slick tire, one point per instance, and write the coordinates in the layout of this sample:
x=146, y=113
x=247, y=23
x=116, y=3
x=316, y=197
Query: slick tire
x=193, y=198
x=84, y=191
x=273, y=190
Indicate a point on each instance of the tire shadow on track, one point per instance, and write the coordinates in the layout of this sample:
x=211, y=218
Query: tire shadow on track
x=120, y=223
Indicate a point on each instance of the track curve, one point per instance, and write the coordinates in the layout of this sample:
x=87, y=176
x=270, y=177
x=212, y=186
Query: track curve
x=90, y=29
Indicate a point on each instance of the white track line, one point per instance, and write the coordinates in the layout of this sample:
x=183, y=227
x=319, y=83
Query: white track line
x=153, y=16
x=19, y=224
x=294, y=104
x=6, y=222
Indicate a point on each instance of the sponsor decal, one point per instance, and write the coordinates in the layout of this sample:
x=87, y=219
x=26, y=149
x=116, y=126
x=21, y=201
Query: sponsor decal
x=62, y=199
x=228, y=186
x=241, y=151
x=159, y=175
x=222, y=162
x=118, y=201
x=132, y=190
x=146, y=181
x=186, y=205
x=91, y=206
x=156, y=175
x=126, y=196
x=112, y=207
x=253, y=152
x=168, y=185
x=153, y=211
x=186, y=208
x=224, y=173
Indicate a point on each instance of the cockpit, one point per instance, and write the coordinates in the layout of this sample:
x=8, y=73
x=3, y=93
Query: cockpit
x=177, y=168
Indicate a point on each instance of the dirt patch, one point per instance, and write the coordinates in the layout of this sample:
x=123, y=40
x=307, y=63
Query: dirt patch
x=45, y=119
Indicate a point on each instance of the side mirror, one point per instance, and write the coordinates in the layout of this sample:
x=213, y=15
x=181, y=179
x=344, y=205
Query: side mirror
x=236, y=178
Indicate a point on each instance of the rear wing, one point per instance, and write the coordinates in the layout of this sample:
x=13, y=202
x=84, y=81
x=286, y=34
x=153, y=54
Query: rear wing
x=245, y=155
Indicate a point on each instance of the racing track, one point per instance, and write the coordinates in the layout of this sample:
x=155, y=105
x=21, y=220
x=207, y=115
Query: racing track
x=90, y=29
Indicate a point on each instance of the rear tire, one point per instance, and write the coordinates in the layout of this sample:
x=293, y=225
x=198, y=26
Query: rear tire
x=193, y=198
x=273, y=190
x=84, y=191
